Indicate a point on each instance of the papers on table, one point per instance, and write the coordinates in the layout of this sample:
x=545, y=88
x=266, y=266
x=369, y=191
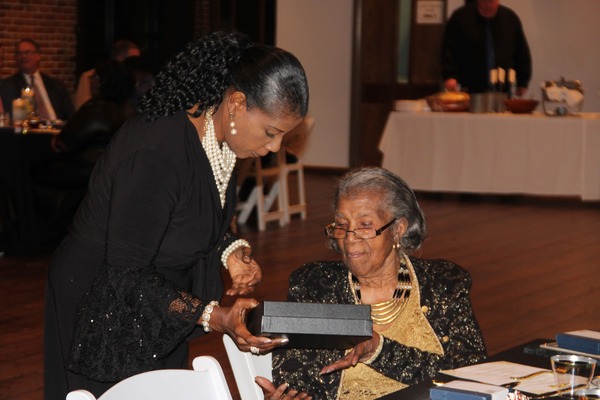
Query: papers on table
x=586, y=333
x=499, y=373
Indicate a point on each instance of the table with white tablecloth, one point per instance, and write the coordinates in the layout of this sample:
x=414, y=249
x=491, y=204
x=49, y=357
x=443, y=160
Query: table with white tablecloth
x=495, y=153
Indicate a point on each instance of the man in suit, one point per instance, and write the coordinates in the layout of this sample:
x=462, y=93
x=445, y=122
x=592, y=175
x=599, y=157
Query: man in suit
x=52, y=98
x=480, y=36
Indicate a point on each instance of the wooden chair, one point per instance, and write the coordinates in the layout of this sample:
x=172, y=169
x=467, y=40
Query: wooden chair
x=206, y=381
x=295, y=143
x=275, y=178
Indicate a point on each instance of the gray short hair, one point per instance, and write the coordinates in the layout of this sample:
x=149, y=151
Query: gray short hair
x=398, y=200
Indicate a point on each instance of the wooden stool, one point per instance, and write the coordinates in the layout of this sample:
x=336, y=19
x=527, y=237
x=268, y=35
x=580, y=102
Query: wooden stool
x=276, y=175
x=295, y=144
x=257, y=198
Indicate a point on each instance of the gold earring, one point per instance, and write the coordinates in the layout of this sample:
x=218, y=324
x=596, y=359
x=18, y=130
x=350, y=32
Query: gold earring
x=232, y=125
x=396, y=246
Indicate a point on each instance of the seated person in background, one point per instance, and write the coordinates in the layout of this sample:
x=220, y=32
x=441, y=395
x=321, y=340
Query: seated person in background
x=84, y=137
x=53, y=101
x=142, y=75
x=423, y=321
x=90, y=129
x=120, y=51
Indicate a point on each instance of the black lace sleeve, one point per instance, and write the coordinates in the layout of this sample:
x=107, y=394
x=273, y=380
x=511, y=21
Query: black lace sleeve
x=130, y=319
x=445, y=291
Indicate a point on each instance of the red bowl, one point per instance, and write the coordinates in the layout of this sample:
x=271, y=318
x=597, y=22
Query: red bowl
x=521, y=106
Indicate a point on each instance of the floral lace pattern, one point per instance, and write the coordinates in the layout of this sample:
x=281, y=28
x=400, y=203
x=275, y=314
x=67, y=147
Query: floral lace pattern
x=129, y=319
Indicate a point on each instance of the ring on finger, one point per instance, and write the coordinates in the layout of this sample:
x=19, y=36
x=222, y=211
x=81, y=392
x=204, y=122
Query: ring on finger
x=254, y=350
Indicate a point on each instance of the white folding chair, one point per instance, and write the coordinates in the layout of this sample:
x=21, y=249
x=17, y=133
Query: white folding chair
x=206, y=381
x=246, y=367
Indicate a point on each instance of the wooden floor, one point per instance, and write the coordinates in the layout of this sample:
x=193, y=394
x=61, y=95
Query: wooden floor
x=535, y=264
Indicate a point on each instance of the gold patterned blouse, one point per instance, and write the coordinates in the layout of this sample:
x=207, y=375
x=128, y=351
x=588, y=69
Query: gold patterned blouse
x=412, y=329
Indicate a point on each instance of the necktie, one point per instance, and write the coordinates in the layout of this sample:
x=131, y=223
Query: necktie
x=42, y=110
x=489, y=45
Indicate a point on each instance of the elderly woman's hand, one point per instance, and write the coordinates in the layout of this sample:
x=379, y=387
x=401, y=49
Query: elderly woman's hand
x=244, y=271
x=282, y=392
x=360, y=353
x=232, y=321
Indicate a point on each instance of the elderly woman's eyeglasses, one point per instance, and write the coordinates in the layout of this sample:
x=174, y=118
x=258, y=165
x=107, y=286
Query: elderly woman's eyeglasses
x=335, y=232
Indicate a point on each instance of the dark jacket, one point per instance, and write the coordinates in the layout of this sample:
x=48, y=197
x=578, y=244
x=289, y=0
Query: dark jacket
x=464, y=48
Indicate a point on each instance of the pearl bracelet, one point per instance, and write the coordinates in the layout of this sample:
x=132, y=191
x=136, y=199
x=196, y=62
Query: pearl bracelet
x=231, y=248
x=206, y=315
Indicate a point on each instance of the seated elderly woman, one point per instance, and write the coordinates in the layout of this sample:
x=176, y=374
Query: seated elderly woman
x=423, y=321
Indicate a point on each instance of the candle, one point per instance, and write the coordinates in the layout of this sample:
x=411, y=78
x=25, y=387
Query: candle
x=501, y=75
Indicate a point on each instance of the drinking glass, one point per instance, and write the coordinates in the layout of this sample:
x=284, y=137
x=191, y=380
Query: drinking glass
x=572, y=373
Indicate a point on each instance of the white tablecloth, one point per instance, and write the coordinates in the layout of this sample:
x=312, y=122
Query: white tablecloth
x=495, y=153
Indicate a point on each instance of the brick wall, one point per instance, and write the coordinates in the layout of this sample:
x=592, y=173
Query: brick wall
x=51, y=23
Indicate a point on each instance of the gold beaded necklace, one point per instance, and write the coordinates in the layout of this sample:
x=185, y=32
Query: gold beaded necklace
x=387, y=311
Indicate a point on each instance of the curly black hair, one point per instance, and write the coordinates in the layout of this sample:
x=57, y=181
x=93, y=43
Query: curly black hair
x=272, y=79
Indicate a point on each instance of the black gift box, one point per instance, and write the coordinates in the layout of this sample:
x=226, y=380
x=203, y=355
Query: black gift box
x=312, y=325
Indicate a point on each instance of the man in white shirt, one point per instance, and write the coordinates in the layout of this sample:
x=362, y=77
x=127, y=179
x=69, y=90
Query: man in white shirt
x=53, y=100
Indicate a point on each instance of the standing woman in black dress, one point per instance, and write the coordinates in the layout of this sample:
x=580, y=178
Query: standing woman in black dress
x=138, y=274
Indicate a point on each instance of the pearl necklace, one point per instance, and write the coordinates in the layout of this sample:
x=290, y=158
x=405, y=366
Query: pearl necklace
x=222, y=159
x=387, y=311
